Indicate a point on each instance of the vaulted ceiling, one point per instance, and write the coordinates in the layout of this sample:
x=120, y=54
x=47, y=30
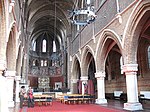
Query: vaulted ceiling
x=48, y=16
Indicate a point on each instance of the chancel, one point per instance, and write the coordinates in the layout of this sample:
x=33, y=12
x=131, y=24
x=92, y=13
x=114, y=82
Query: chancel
x=47, y=55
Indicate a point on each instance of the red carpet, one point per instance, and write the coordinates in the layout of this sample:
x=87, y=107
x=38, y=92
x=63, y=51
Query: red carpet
x=58, y=107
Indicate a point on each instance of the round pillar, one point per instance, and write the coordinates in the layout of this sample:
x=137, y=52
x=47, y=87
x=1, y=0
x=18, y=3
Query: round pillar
x=10, y=76
x=17, y=79
x=132, y=88
x=100, y=87
x=3, y=88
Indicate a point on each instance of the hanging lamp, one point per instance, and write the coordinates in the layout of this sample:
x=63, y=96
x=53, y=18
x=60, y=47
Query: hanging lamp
x=83, y=15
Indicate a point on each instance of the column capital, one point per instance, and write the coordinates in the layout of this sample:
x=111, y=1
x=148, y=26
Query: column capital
x=17, y=78
x=84, y=78
x=130, y=67
x=10, y=73
x=100, y=74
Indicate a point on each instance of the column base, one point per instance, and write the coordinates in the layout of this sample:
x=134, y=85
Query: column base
x=11, y=104
x=101, y=101
x=133, y=106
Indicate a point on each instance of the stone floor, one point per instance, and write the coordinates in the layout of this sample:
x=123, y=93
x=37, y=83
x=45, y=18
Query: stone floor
x=115, y=104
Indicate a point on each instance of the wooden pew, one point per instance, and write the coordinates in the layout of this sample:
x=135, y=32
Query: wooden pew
x=76, y=99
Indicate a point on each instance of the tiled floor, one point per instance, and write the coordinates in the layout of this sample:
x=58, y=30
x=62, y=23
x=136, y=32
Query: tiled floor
x=115, y=104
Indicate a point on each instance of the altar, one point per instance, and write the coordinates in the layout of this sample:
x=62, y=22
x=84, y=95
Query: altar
x=43, y=82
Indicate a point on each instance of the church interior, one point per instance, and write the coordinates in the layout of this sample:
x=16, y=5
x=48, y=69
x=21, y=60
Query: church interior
x=99, y=48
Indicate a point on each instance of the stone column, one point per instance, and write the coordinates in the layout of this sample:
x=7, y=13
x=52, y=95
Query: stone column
x=100, y=87
x=3, y=90
x=17, y=79
x=10, y=76
x=84, y=82
x=132, y=88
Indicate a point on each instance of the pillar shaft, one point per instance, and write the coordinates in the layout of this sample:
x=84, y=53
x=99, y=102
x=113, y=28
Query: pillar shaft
x=131, y=82
x=10, y=76
x=100, y=87
x=132, y=88
x=17, y=79
x=3, y=89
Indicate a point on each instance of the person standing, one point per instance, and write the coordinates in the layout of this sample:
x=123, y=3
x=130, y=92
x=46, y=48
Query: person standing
x=30, y=97
x=21, y=95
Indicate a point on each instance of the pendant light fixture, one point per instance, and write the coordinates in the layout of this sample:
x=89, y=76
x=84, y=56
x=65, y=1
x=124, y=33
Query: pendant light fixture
x=83, y=15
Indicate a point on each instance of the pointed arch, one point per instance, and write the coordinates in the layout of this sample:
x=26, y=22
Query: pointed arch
x=12, y=26
x=75, y=58
x=133, y=29
x=100, y=55
x=86, y=57
x=11, y=50
x=86, y=49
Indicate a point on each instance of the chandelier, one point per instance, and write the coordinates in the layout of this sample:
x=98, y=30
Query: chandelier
x=84, y=15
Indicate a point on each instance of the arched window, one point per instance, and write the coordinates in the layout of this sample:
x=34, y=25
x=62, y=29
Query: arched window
x=54, y=46
x=34, y=46
x=44, y=45
x=42, y=63
x=33, y=63
x=45, y=63
x=148, y=56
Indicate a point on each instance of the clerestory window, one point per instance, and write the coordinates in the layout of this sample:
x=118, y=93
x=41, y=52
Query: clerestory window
x=34, y=46
x=45, y=63
x=44, y=45
x=42, y=63
x=54, y=46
